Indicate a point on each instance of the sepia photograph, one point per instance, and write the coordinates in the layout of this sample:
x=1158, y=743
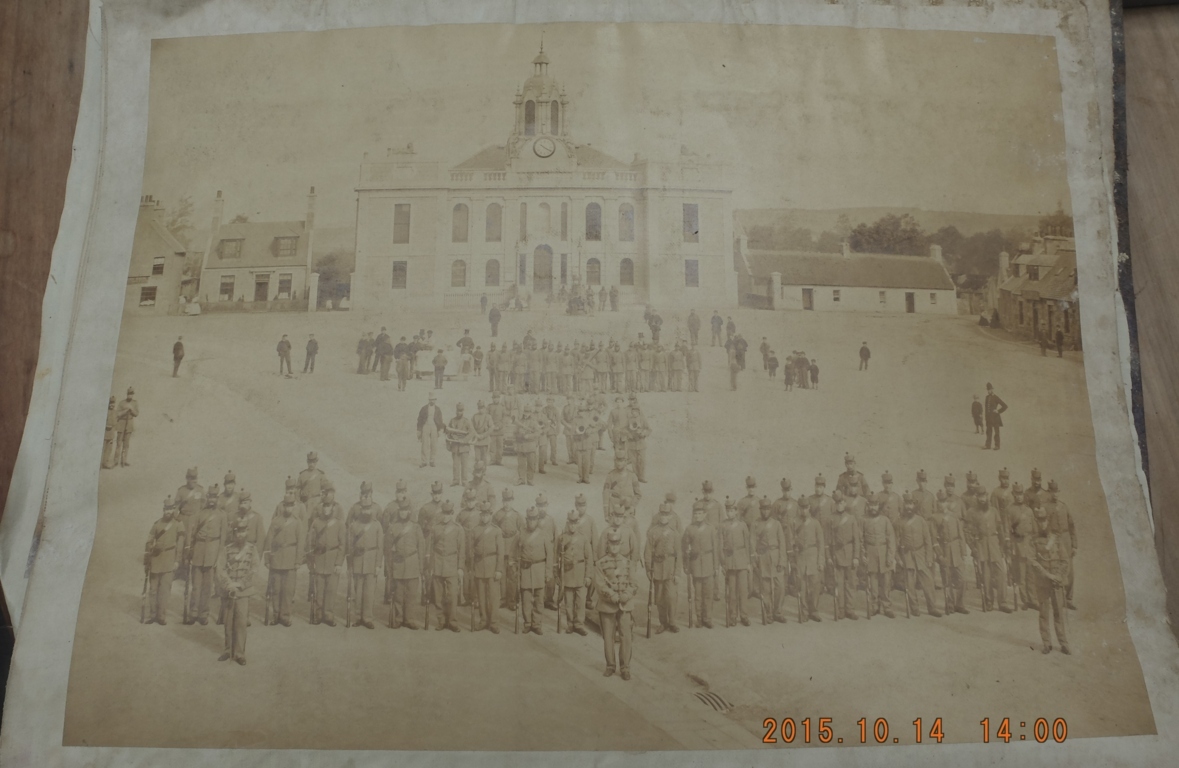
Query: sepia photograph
x=602, y=387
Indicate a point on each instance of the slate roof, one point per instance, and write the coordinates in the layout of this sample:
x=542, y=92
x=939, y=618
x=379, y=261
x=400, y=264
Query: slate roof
x=1058, y=280
x=858, y=270
x=259, y=245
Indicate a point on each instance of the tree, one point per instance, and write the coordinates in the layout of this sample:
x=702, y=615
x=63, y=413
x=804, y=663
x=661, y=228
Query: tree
x=334, y=269
x=241, y=218
x=889, y=234
x=179, y=221
x=1059, y=223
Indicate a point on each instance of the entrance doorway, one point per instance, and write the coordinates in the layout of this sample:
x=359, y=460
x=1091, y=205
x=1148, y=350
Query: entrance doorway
x=910, y=302
x=542, y=269
x=262, y=288
x=808, y=298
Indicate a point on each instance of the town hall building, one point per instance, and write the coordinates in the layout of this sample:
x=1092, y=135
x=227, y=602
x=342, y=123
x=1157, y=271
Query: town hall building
x=538, y=213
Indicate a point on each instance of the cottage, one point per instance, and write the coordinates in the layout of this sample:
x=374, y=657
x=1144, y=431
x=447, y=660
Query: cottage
x=156, y=275
x=1038, y=291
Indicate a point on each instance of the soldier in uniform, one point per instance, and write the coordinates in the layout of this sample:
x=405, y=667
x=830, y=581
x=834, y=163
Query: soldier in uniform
x=246, y=515
x=228, y=500
x=545, y=430
x=125, y=416
x=430, y=425
x=190, y=497
x=994, y=407
x=363, y=352
x=889, y=500
x=851, y=476
x=468, y=520
x=431, y=511
x=992, y=544
x=553, y=415
x=747, y=505
x=487, y=546
x=407, y=553
x=282, y=553
x=1001, y=497
x=949, y=533
x=713, y=512
x=237, y=563
x=310, y=479
x=879, y=556
x=825, y=506
x=110, y=435
x=481, y=426
x=954, y=504
x=620, y=483
x=364, y=550
x=812, y=557
x=769, y=562
x=161, y=555
x=618, y=426
x=636, y=443
x=616, y=590
x=204, y=536
x=915, y=548
x=534, y=551
x=327, y=541
x=498, y=415
x=1060, y=522
x=701, y=548
x=575, y=560
x=290, y=502
x=508, y=520
x=661, y=561
x=482, y=490
x=923, y=498
x=856, y=504
x=617, y=521
x=1022, y=524
x=693, y=365
x=735, y=560
x=459, y=436
x=846, y=548
x=527, y=443
x=448, y=543
x=1050, y=567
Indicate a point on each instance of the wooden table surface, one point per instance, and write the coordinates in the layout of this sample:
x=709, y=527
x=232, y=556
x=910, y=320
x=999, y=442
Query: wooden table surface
x=42, y=45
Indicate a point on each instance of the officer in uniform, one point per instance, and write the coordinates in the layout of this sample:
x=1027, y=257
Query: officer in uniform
x=636, y=443
x=991, y=547
x=954, y=503
x=812, y=559
x=1051, y=568
x=949, y=533
x=237, y=563
x=856, y=504
x=459, y=436
x=365, y=546
x=701, y=548
x=204, y=536
x=851, y=476
x=846, y=549
x=879, y=556
x=431, y=511
x=661, y=561
x=534, y=551
x=825, y=505
x=769, y=562
x=125, y=416
x=1023, y=530
x=1060, y=521
x=747, y=505
x=407, y=556
x=327, y=541
x=575, y=561
x=246, y=515
x=228, y=500
x=282, y=553
x=110, y=435
x=290, y=501
x=448, y=544
x=713, y=512
x=190, y=497
x=616, y=590
x=527, y=443
x=468, y=520
x=1001, y=497
x=735, y=560
x=481, y=424
x=1034, y=490
x=487, y=546
x=509, y=522
x=160, y=558
x=915, y=547
x=889, y=501
x=310, y=479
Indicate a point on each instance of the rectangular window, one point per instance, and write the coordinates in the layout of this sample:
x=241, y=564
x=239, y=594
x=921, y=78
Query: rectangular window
x=401, y=223
x=932, y=298
x=400, y=274
x=523, y=278
x=883, y=298
x=564, y=267
x=157, y=265
x=691, y=273
x=523, y=222
x=1068, y=321
x=691, y=223
x=226, y=292
x=286, y=247
x=284, y=285
x=835, y=295
x=564, y=221
x=1033, y=272
x=147, y=296
x=229, y=249
x=1021, y=313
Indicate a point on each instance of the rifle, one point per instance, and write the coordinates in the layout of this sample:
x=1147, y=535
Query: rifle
x=650, y=600
x=868, y=594
x=516, y=629
x=473, y=601
x=311, y=593
x=801, y=593
x=348, y=616
x=143, y=597
x=559, y=592
x=187, y=585
x=428, y=593
x=267, y=620
x=691, y=602
x=978, y=578
x=908, y=608
x=725, y=574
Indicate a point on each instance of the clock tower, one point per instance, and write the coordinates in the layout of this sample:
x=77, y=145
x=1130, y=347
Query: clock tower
x=539, y=141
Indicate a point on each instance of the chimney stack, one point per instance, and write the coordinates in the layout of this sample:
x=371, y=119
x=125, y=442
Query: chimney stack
x=218, y=213
x=310, y=209
x=1004, y=265
x=846, y=249
x=935, y=252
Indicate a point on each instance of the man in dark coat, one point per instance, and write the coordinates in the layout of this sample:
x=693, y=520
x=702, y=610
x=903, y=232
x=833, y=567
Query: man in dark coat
x=994, y=407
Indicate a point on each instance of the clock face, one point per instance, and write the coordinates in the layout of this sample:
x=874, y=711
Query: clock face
x=544, y=147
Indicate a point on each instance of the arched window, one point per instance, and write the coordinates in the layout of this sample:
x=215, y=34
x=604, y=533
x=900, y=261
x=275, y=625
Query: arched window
x=554, y=118
x=495, y=223
x=491, y=275
x=523, y=222
x=626, y=272
x=593, y=272
x=458, y=274
x=546, y=218
x=530, y=118
x=458, y=224
x=626, y=223
x=593, y=222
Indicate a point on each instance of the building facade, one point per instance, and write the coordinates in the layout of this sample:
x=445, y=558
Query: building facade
x=1038, y=291
x=257, y=266
x=541, y=212
x=156, y=275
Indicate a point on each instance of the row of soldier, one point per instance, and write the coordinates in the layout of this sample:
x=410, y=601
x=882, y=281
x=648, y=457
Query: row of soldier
x=565, y=368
